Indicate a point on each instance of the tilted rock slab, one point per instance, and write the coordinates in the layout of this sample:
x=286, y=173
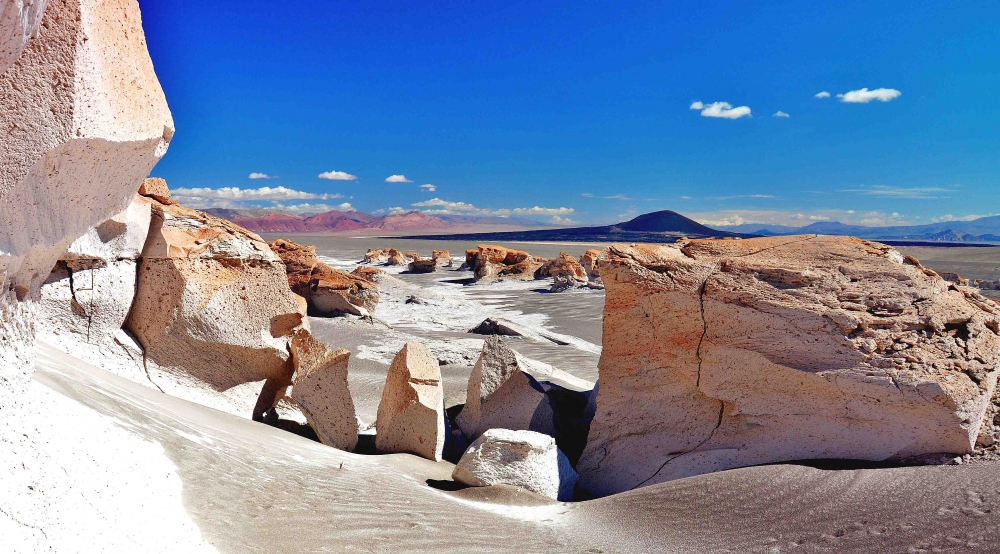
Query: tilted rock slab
x=327, y=290
x=91, y=289
x=411, y=413
x=321, y=392
x=212, y=307
x=519, y=458
x=84, y=121
x=727, y=353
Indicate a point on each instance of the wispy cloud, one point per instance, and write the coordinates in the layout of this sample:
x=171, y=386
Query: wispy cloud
x=446, y=207
x=823, y=94
x=397, y=179
x=260, y=176
x=307, y=208
x=587, y=195
x=798, y=218
x=950, y=217
x=864, y=96
x=428, y=188
x=742, y=196
x=617, y=197
x=918, y=193
x=722, y=110
x=337, y=176
x=685, y=197
x=780, y=113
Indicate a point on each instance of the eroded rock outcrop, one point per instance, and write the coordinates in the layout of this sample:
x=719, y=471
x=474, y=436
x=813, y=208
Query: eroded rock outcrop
x=328, y=291
x=720, y=354
x=423, y=266
x=90, y=291
x=105, y=123
x=565, y=271
x=496, y=263
x=589, y=262
x=519, y=458
x=157, y=189
x=213, y=310
x=508, y=391
x=320, y=390
x=442, y=258
x=411, y=413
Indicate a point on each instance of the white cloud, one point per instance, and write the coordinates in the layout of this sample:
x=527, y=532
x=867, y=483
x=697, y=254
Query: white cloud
x=562, y=220
x=397, y=179
x=949, y=217
x=723, y=110
x=587, y=195
x=428, y=188
x=918, y=193
x=780, y=113
x=823, y=94
x=864, y=96
x=307, y=208
x=337, y=176
x=685, y=197
x=617, y=197
x=238, y=194
x=260, y=176
x=795, y=218
x=445, y=207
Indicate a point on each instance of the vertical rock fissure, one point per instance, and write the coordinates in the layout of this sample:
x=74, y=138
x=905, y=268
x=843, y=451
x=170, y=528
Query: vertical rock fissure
x=718, y=423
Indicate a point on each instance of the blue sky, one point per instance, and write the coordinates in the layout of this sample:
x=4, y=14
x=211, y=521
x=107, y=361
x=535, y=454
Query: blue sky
x=582, y=111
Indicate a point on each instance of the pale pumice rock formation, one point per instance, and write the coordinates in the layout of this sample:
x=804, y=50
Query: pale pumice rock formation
x=79, y=161
x=496, y=263
x=90, y=291
x=589, y=261
x=212, y=310
x=519, y=458
x=157, y=189
x=720, y=354
x=328, y=291
x=508, y=391
x=19, y=21
x=320, y=390
x=565, y=271
x=411, y=412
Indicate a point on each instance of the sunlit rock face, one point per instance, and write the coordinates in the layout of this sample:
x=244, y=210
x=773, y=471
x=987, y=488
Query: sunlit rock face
x=19, y=21
x=728, y=353
x=85, y=120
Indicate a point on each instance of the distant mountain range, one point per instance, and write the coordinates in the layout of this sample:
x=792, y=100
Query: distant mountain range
x=662, y=226
x=274, y=221
x=984, y=229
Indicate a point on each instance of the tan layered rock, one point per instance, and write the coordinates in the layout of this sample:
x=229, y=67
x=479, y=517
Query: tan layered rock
x=423, y=266
x=213, y=310
x=565, y=271
x=105, y=123
x=395, y=257
x=411, y=413
x=327, y=290
x=157, y=189
x=90, y=291
x=370, y=274
x=442, y=258
x=376, y=256
x=721, y=354
x=589, y=262
x=320, y=390
x=496, y=263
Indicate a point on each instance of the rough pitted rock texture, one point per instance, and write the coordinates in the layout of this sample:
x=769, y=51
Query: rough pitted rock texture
x=212, y=307
x=19, y=20
x=411, y=413
x=519, y=458
x=157, y=189
x=565, y=271
x=78, y=161
x=321, y=392
x=496, y=263
x=589, y=262
x=508, y=391
x=721, y=354
x=89, y=293
x=327, y=290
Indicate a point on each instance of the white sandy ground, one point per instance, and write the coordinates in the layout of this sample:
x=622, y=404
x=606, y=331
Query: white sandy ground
x=144, y=466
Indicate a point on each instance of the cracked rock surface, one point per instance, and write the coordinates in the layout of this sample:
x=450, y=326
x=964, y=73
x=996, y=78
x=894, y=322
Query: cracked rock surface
x=727, y=353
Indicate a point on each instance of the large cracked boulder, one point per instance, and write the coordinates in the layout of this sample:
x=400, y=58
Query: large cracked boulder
x=81, y=107
x=518, y=458
x=727, y=353
x=411, y=413
x=328, y=291
x=212, y=308
x=320, y=389
x=90, y=291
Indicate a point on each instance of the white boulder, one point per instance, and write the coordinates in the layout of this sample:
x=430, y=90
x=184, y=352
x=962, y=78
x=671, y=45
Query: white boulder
x=519, y=458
